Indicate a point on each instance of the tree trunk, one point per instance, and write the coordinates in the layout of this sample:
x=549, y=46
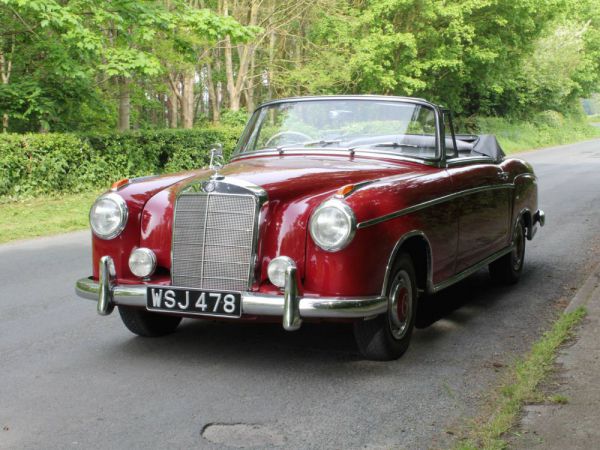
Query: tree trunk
x=5, y=72
x=236, y=83
x=271, y=67
x=250, y=85
x=172, y=112
x=172, y=101
x=124, y=104
x=233, y=98
x=213, y=95
x=187, y=100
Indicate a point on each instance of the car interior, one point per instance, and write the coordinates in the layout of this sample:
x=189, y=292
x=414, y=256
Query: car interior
x=467, y=146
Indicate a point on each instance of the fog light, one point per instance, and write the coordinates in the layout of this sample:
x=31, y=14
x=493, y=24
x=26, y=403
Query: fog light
x=277, y=268
x=142, y=262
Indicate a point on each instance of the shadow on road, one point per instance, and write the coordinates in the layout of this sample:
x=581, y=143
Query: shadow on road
x=477, y=291
x=259, y=343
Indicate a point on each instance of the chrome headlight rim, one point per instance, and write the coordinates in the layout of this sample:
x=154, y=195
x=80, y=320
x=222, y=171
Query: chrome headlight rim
x=348, y=214
x=123, y=215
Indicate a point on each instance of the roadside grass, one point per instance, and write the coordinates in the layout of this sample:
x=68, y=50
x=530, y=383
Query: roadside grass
x=517, y=136
x=594, y=118
x=43, y=216
x=519, y=388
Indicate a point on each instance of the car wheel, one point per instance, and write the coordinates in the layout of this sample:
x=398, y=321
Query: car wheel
x=144, y=323
x=387, y=336
x=507, y=270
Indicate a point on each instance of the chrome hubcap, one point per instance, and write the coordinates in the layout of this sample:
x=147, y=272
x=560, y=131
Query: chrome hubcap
x=518, y=248
x=400, y=304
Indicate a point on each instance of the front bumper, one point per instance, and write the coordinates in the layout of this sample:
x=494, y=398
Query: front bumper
x=290, y=306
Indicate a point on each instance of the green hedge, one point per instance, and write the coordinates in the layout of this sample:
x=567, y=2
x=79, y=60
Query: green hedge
x=35, y=164
x=546, y=129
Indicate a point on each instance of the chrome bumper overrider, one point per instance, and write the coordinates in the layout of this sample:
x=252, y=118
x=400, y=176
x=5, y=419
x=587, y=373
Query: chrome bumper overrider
x=540, y=217
x=291, y=307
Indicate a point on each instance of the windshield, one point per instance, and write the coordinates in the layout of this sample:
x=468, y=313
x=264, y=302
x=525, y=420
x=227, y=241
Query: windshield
x=398, y=127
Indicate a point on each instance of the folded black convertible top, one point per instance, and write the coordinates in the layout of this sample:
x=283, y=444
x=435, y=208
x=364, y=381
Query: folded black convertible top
x=484, y=145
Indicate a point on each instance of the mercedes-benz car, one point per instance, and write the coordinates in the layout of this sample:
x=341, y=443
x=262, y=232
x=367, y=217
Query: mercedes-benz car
x=345, y=208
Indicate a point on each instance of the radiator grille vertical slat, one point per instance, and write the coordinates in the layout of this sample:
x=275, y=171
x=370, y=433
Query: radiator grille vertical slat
x=213, y=241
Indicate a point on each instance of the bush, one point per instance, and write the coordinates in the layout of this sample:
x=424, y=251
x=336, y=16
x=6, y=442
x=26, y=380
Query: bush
x=234, y=118
x=550, y=118
x=546, y=129
x=34, y=164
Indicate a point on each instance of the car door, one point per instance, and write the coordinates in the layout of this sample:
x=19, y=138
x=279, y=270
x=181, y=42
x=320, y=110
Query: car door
x=484, y=199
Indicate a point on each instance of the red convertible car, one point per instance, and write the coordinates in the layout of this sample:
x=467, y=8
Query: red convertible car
x=343, y=208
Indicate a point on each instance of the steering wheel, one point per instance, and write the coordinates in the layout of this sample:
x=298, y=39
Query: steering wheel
x=284, y=133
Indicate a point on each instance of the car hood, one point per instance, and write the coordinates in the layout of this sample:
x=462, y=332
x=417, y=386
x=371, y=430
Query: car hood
x=295, y=185
x=299, y=176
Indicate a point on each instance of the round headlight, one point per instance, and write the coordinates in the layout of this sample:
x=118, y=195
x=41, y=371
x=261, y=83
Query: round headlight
x=142, y=262
x=277, y=268
x=108, y=216
x=332, y=225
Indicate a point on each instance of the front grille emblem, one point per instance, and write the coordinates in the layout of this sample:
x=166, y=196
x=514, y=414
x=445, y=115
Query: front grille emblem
x=208, y=186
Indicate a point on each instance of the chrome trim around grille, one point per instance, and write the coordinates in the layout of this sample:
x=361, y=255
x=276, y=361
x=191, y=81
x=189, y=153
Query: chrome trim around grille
x=225, y=255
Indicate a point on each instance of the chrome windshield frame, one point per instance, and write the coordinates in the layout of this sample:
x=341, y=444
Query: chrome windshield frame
x=439, y=160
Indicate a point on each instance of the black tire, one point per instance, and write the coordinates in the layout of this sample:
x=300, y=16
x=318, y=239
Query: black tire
x=508, y=269
x=147, y=324
x=387, y=336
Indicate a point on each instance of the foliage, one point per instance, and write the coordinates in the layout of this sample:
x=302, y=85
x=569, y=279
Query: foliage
x=545, y=129
x=475, y=56
x=234, y=118
x=35, y=164
x=62, y=52
x=84, y=65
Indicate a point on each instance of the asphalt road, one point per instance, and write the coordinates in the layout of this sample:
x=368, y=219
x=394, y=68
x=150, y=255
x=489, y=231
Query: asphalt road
x=72, y=379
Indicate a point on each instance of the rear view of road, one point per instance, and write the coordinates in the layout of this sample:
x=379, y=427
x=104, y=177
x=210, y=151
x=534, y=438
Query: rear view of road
x=69, y=378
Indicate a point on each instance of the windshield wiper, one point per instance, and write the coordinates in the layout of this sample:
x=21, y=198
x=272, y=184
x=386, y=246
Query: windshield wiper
x=322, y=143
x=383, y=144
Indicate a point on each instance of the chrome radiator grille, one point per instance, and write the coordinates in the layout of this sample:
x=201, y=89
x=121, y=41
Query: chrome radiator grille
x=213, y=241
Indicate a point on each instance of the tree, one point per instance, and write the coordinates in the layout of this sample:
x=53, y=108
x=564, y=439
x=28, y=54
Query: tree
x=117, y=41
x=78, y=65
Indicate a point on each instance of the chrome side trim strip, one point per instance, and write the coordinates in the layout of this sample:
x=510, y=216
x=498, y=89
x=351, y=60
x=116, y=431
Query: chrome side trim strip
x=525, y=175
x=471, y=270
x=394, y=254
x=463, y=160
x=435, y=201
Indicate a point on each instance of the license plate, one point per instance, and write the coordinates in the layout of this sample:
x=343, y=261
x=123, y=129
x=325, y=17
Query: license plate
x=194, y=301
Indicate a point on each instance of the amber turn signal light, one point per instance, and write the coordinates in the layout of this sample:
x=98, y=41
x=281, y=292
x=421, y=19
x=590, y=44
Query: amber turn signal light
x=345, y=190
x=118, y=184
